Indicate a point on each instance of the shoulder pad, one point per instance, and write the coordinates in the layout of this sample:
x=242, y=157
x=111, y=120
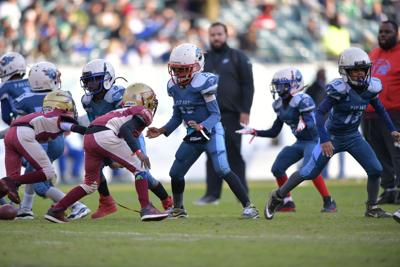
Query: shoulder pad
x=375, y=85
x=170, y=85
x=114, y=95
x=205, y=83
x=277, y=104
x=303, y=102
x=337, y=89
x=85, y=100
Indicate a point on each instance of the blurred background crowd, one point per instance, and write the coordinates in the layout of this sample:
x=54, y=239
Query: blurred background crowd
x=135, y=32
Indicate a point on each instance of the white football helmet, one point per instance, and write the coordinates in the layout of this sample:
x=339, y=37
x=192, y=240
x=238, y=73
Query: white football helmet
x=10, y=64
x=97, y=75
x=185, y=60
x=355, y=58
x=44, y=76
x=287, y=82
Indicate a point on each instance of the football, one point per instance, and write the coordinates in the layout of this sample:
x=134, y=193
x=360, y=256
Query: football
x=7, y=212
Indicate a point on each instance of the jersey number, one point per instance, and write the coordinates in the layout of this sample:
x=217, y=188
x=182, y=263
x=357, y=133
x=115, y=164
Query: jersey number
x=353, y=117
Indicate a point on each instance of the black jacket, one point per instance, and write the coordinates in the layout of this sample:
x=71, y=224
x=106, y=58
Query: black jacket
x=235, y=87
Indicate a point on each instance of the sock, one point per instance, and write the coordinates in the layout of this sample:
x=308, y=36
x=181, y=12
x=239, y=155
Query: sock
x=142, y=190
x=178, y=187
x=54, y=194
x=237, y=188
x=319, y=183
x=71, y=197
x=281, y=181
x=31, y=178
x=159, y=191
x=27, y=201
x=103, y=187
x=372, y=189
x=294, y=180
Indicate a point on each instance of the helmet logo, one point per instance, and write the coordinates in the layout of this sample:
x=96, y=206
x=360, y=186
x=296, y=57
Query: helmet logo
x=198, y=53
x=51, y=73
x=6, y=60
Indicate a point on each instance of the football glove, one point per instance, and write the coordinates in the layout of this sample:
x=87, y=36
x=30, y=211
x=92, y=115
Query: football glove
x=301, y=125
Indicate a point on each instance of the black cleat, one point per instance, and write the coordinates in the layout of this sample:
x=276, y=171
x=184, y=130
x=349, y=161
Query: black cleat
x=396, y=216
x=272, y=204
x=387, y=197
x=329, y=205
x=374, y=211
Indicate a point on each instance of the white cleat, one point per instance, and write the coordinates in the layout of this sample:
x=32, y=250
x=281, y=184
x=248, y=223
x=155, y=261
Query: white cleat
x=79, y=211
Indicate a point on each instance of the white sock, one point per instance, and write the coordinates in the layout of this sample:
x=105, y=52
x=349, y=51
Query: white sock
x=54, y=194
x=287, y=199
x=27, y=201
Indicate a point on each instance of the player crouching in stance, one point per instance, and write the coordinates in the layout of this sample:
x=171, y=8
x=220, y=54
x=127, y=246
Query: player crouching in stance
x=193, y=93
x=114, y=136
x=25, y=135
x=296, y=109
x=346, y=100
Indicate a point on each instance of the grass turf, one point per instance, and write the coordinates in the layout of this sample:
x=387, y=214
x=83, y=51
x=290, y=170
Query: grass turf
x=212, y=235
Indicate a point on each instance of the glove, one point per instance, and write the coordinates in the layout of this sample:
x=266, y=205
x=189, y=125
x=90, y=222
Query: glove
x=301, y=125
x=246, y=130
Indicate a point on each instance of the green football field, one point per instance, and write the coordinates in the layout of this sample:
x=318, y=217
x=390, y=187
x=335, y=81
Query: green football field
x=212, y=235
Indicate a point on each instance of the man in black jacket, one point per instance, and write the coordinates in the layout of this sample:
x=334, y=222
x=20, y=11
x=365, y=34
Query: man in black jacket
x=235, y=97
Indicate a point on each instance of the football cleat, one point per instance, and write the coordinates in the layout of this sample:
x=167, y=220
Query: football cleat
x=167, y=203
x=106, y=207
x=25, y=214
x=56, y=215
x=272, y=204
x=287, y=207
x=150, y=213
x=176, y=213
x=10, y=188
x=329, y=205
x=396, y=216
x=375, y=212
x=206, y=200
x=250, y=212
x=78, y=211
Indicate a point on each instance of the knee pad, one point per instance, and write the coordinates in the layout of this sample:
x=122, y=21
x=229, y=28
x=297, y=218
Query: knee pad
x=42, y=188
x=277, y=172
x=50, y=173
x=151, y=181
x=90, y=188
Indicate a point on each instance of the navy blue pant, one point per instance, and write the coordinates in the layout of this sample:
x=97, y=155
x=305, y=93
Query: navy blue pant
x=355, y=144
x=188, y=153
x=289, y=155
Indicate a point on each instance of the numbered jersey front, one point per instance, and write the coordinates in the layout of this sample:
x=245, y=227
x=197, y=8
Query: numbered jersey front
x=301, y=104
x=111, y=101
x=345, y=116
x=115, y=119
x=191, y=100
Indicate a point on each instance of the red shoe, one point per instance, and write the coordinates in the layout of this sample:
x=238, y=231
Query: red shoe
x=167, y=203
x=106, y=207
x=150, y=213
x=9, y=187
x=56, y=215
x=287, y=207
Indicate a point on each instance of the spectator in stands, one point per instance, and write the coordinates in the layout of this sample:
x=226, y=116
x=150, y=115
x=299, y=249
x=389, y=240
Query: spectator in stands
x=386, y=67
x=336, y=38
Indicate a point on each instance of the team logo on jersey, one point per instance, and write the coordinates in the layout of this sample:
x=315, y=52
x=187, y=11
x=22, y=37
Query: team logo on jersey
x=6, y=60
x=51, y=73
x=381, y=67
x=212, y=80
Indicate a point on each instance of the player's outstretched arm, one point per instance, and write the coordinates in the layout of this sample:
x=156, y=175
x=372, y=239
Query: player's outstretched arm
x=153, y=132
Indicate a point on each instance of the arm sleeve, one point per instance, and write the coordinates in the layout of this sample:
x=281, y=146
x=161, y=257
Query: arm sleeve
x=308, y=119
x=273, y=131
x=76, y=128
x=6, y=111
x=174, y=122
x=127, y=129
x=326, y=105
x=215, y=115
x=246, y=83
x=381, y=111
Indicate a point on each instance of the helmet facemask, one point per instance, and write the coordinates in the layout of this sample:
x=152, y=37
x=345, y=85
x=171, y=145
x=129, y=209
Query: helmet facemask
x=182, y=74
x=97, y=75
x=360, y=83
